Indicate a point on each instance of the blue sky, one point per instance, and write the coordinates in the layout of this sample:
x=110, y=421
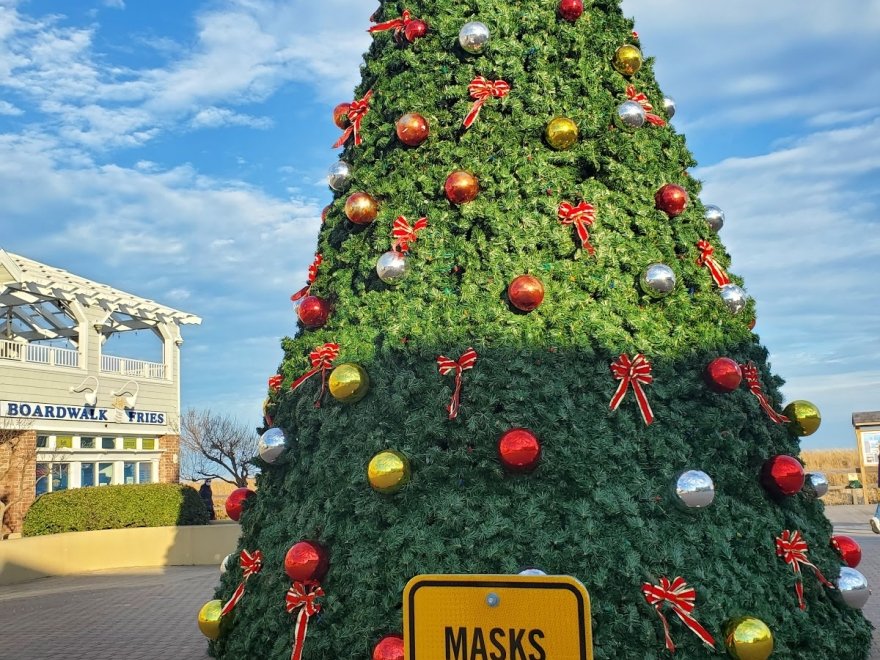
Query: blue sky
x=177, y=151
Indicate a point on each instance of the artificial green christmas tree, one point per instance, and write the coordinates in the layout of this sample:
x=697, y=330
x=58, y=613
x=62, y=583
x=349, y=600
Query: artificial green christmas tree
x=533, y=353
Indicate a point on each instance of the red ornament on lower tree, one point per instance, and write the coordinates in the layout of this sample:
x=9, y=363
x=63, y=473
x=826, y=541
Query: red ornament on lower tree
x=848, y=549
x=519, y=450
x=325, y=212
x=235, y=502
x=571, y=10
x=723, y=375
x=783, y=475
x=340, y=115
x=526, y=293
x=671, y=199
x=313, y=312
x=389, y=647
x=412, y=129
x=414, y=30
x=306, y=560
x=461, y=187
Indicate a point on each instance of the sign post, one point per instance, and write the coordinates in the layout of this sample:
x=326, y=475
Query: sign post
x=867, y=428
x=508, y=617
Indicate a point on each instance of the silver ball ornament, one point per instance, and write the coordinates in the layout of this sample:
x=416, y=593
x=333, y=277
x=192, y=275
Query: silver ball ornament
x=272, y=444
x=533, y=572
x=714, y=217
x=852, y=588
x=694, y=489
x=669, y=106
x=473, y=37
x=734, y=297
x=392, y=267
x=631, y=114
x=227, y=562
x=339, y=176
x=817, y=484
x=658, y=280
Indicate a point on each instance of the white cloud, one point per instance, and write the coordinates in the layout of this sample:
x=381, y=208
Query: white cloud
x=6, y=108
x=217, y=117
x=115, y=4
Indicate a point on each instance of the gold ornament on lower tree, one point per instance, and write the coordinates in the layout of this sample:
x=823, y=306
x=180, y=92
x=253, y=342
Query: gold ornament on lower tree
x=804, y=416
x=388, y=471
x=361, y=208
x=627, y=60
x=561, y=133
x=211, y=623
x=748, y=638
x=349, y=383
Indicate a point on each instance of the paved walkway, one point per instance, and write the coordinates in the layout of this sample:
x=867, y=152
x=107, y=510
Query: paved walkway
x=150, y=614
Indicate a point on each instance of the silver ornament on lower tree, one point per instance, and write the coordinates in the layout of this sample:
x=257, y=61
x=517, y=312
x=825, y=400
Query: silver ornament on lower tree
x=227, y=562
x=272, y=444
x=658, y=280
x=852, y=588
x=473, y=37
x=714, y=217
x=817, y=484
x=694, y=489
x=532, y=571
x=339, y=176
x=734, y=298
x=669, y=106
x=631, y=114
x=392, y=267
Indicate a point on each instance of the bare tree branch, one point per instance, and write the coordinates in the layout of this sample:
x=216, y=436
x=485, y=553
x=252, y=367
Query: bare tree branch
x=209, y=441
x=13, y=465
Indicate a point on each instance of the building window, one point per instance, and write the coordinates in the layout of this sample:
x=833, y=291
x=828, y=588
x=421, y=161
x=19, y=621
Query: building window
x=145, y=473
x=105, y=474
x=43, y=478
x=148, y=444
x=87, y=474
x=63, y=442
x=86, y=443
x=60, y=474
x=128, y=473
x=108, y=443
x=42, y=442
x=129, y=444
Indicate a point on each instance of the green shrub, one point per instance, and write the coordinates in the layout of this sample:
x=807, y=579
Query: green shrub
x=115, y=507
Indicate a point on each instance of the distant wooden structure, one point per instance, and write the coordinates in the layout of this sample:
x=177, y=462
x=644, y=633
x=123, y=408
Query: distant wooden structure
x=867, y=429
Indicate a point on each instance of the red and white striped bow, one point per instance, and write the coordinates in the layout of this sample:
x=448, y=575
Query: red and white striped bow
x=642, y=100
x=582, y=217
x=750, y=373
x=313, y=275
x=706, y=259
x=356, y=113
x=681, y=599
x=275, y=382
x=406, y=234
x=482, y=90
x=447, y=366
x=322, y=360
x=251, y=564
x=793, y=550
x=302, y=596
x=396, y=24
x=635, y=372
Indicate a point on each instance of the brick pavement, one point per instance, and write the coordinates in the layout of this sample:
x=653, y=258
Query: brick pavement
x=150, y=614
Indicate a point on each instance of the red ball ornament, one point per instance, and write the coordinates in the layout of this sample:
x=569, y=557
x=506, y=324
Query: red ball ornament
x=306, y=560
x=672, y=199
x=313, y=312
x=412, y=129
x=571, y=10
x=783, y=475
x=235, y=502
x=389, y=647
x=361, y=208
x=413, y=30
x=325, y=212
x=519, y=450
x=848, y=549
x=461, y=187
x=525, y=292
x=723, y=375
x=340, y=115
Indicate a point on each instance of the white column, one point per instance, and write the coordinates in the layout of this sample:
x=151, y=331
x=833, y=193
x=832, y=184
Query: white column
x=74, y=475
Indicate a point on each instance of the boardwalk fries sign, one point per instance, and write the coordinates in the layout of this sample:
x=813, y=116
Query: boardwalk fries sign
x=497, y=617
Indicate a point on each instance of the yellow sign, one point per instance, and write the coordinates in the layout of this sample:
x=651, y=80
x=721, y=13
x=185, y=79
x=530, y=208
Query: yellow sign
x=497, y=617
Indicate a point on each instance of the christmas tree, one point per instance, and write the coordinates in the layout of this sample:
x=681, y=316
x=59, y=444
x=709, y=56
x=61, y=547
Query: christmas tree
x=520, y=347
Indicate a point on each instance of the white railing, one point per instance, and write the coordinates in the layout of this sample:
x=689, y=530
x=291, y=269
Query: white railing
x=39, y=354
x=110, y=364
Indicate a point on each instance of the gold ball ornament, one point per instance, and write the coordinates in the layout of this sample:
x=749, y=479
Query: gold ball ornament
x=804, y=416
x=361, y=208
x=211, y=623
x=388, y=471
x=748, y=638
x=561, y=133
x=627, y=60
x=349, y=383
